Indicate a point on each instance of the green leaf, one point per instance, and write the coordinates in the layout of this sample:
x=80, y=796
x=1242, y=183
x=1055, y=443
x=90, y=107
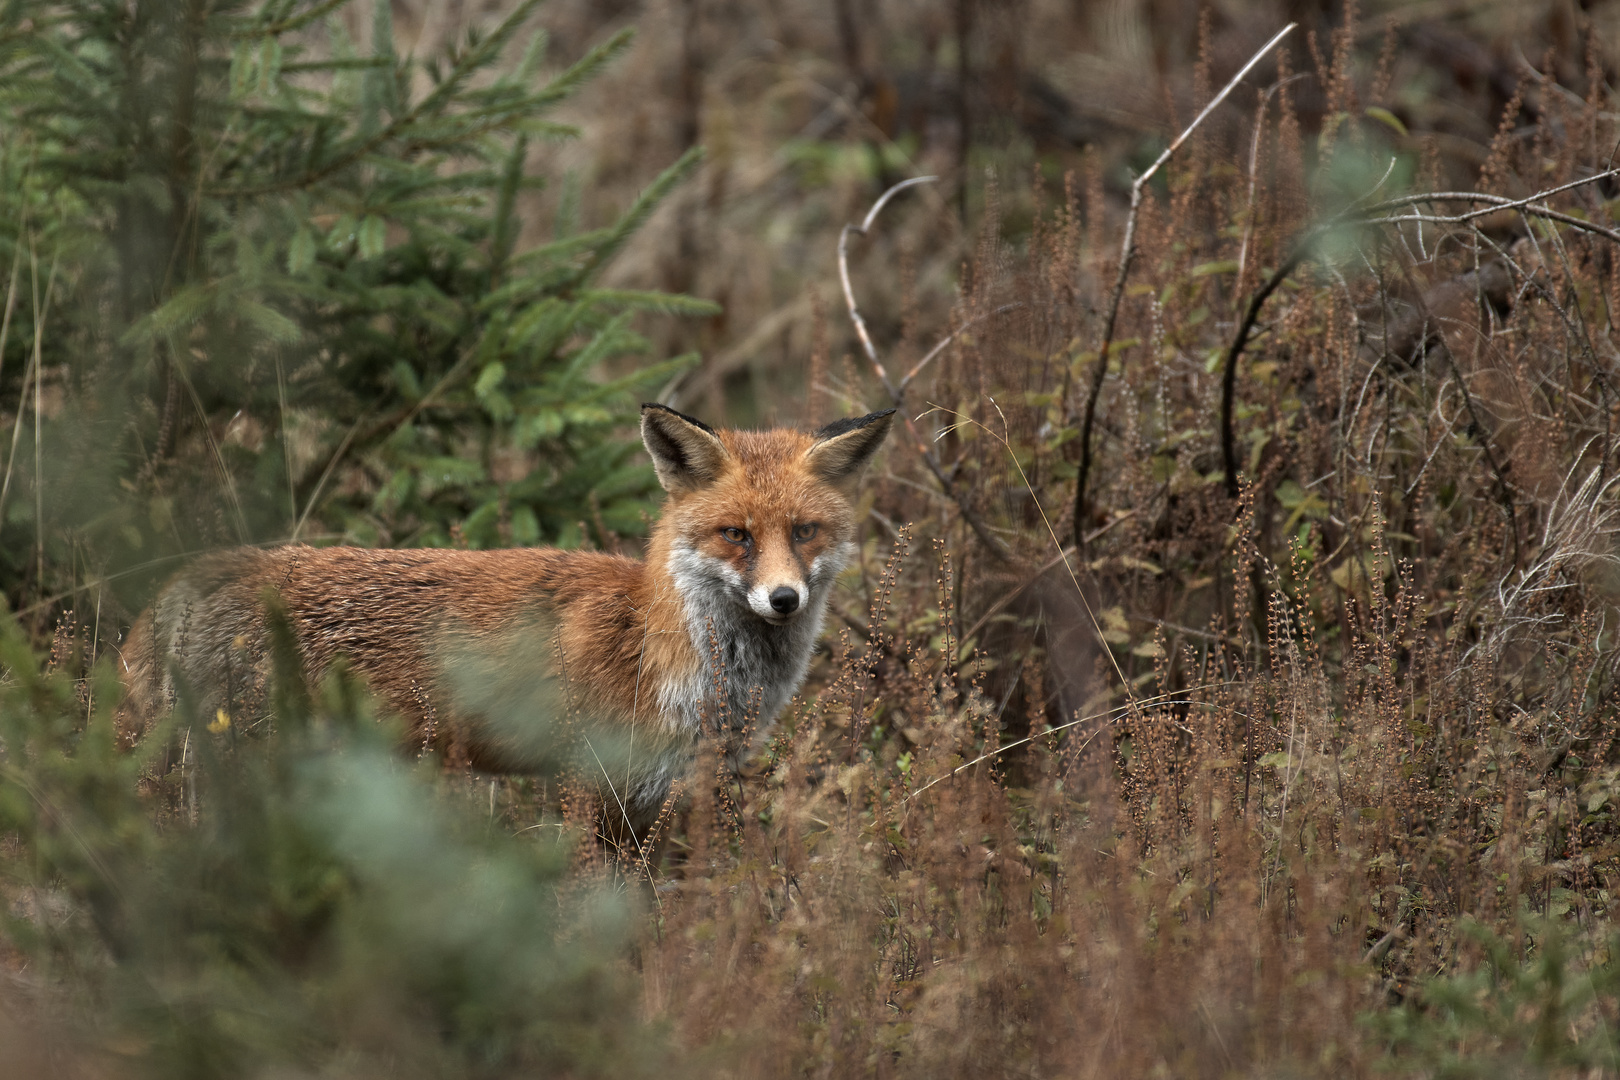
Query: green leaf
x=525, y=526
x=269, y=66
x=491, y=377
x=242, y=63
x=395, y=490
x=585, y=415
x=647, y=300
x=181, y=311
x=342, y=232
x=445, y=471
x=269, y=322
x=481, y=527
x=543, y=326
x=350, y=272
x=410, y=387
x=1387, y=118
x=537, y=426
x=482, y=52
x=650, y=376
x=373, y=235
x=301, y=252
x=378, y=86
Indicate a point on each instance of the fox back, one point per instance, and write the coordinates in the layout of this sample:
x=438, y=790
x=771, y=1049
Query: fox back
x=502, y=660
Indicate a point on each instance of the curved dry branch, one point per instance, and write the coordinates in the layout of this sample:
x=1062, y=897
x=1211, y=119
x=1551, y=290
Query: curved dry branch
x=849, y=291
x=1251, y=315
x=897, y=393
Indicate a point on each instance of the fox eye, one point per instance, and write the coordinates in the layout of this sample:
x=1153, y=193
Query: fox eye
x=806, y=531
x=735, y=535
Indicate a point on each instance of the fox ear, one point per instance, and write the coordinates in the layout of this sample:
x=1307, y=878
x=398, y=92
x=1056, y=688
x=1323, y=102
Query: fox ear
x=844, y=447
x=686, y=453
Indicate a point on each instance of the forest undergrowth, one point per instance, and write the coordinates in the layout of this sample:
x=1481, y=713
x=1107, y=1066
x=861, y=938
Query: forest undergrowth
x=1226, y=685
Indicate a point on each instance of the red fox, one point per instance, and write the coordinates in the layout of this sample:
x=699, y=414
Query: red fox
x=484, y=653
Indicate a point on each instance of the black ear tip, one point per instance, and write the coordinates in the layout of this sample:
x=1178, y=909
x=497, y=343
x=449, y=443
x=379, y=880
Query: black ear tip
x=851, y=423
x=653, y=406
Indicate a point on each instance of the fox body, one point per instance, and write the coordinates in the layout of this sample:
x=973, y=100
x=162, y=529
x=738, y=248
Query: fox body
x=483, y=653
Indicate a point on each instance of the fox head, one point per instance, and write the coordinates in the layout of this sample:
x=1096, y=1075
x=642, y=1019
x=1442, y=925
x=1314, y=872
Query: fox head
x=762, y=519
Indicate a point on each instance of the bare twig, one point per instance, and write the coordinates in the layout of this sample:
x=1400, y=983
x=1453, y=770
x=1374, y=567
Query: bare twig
x=933, y=353
x=849, y=292
x=1504, y=493
x=226, y=478
x=286, y=443
x=1498, y=202
x=39, y=417
x=1532, y=211
x=1396, y=933
x=1126, y=254
x=1578, y=532
x=696, y=382
x=16, y=265
x=1213, y=103
x=1177, y=628
x=897, y=393
x=993, y=543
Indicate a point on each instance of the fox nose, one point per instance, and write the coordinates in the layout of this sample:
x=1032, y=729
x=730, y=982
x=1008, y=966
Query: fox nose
x=784, y=600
